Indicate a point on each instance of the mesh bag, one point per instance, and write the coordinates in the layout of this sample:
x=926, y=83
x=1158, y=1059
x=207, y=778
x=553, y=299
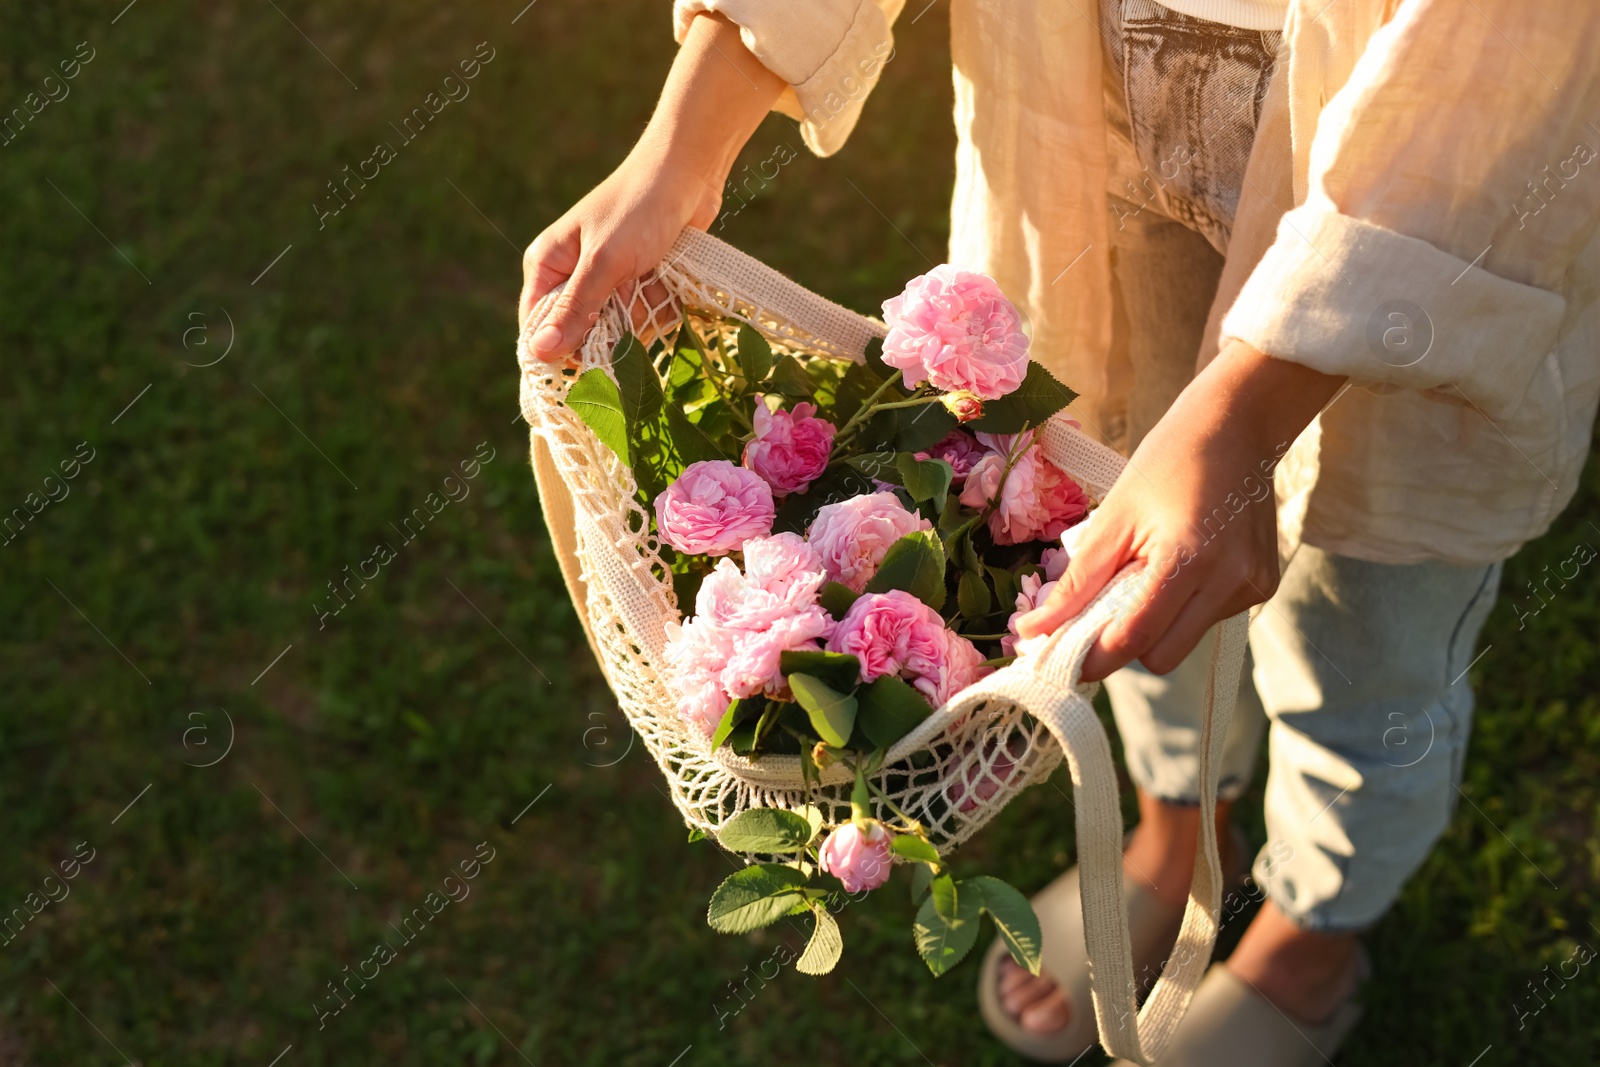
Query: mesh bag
x=967, y=759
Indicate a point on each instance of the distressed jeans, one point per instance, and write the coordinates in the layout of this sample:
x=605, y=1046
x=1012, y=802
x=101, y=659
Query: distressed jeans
x=1358, y=668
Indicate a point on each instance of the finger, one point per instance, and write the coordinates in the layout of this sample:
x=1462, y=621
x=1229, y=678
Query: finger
x=1094, y=564
x=549, y=261
x=1134, y=632
x=575, y=308
x=1211, y=603
x=1197, y=616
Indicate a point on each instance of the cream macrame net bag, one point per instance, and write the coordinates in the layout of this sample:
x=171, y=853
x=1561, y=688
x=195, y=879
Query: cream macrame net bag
x=967, y=760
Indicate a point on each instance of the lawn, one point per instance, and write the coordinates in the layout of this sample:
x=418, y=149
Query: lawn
x=257, y=766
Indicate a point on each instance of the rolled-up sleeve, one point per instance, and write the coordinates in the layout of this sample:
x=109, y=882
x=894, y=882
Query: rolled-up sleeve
x=1452, y=181
x=830, y=52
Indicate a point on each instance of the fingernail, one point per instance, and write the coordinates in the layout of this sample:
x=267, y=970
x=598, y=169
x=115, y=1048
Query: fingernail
x=546, y=338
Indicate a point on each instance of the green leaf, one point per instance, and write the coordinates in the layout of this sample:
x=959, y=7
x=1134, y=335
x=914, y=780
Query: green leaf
x=714, y=417
x=873, y=361
x=836, y=484
x=921, y=878
x=637, y=384
x=946, y=897
x=737, y=712
x=838, y=669
x=813, y=816
x=769, y=719
x=890, y=709
x=944, y=937
x=836, y=599
x=825, y=947
x=696, y=834
x=924, y=479
x=686, y=586
x=657, y=440
x=755, y=355
x=1005, y=586
x=879, y=465
x=754, y=897
x=791, y=379
x=1031, y=403
x=915, y=563
x=915, y=848
x=833, y=714
x=972, y=595
x=743, y=738
x=951, y=516
x=770, y=830
x=594, y=399
x=1013, y=917
x=920, y=428
x=687, y=370
x=857, y=384
x=689, y=441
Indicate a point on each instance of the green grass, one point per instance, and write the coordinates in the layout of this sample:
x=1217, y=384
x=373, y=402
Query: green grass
x=368, y=362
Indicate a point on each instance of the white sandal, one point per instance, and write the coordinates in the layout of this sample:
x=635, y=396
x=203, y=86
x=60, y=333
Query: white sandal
x=1229, y=1024
x=1153, y=925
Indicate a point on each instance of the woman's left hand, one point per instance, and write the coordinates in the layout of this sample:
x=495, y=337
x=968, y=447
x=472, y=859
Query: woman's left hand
x=1194, y=510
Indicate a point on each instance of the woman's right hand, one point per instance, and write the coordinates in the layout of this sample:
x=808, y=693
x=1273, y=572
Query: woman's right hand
x=616, y=233
x=715, y=96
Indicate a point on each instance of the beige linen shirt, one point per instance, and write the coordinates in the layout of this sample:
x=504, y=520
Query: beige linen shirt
x=1419, y=214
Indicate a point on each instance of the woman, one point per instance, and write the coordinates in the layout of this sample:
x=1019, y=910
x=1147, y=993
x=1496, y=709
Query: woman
x=1217, y=215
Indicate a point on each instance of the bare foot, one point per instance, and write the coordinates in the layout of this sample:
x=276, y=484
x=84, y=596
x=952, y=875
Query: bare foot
x=1306, y=974
x=1160, y=855
x=1037, y=1003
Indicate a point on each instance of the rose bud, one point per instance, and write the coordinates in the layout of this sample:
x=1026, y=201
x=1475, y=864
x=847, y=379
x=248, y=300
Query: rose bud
x=859, y=860
x=964, y=405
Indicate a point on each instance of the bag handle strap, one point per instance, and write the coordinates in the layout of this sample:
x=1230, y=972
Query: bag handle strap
x=1125, y=1030
x=743, y=287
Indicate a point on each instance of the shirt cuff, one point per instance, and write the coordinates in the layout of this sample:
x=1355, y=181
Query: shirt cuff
x=830, y=52
x=1348, y=298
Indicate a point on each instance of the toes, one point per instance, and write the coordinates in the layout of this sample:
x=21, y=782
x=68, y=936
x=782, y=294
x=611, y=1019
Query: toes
x=1047, y=1014
x=1025, y=992
x=1035, y=1001
x=1011, y=976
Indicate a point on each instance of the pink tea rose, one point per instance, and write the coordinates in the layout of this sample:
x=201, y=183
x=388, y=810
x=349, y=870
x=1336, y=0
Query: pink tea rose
x=963, y=665
x=1038, y=501
x=959, y=449
x=895, y=633
x=790, y=449
x=859, y=860
x=713, y=508
x=1054, y=561
x=739, y=602
x=852, y=536
x=753, y=666
x=956, y=330
x=733, y=646
x=785, y=566
x=696, y=654
x=1065, y=501
x=1032, y=593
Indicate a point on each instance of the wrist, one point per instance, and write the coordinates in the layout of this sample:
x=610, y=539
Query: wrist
x=1259, y=399
x=716, y=96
